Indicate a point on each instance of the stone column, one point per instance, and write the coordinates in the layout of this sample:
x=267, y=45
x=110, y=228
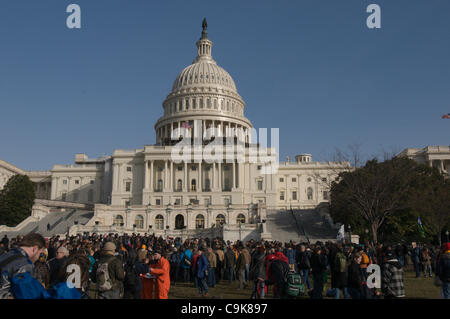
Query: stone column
x=185, y=184
x=234, y=175
x=199, y=184
x=145, y=174
x=166, y=184
x=442, y=166
x=151, y=176
x=214, y=176
x=171, y=176
x=220, y=176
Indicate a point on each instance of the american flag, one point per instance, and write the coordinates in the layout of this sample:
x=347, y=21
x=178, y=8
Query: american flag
x=186, y=125
x=446, y=116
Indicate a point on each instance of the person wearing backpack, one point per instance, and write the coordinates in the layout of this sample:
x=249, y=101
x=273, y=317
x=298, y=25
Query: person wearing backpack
x=20, y=260
x=304, y=265
x=338, y=268
x=186, y=263
x=109, y=273
x=175, y=264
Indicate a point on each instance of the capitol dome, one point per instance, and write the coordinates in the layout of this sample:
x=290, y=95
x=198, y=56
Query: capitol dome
x=203, y=91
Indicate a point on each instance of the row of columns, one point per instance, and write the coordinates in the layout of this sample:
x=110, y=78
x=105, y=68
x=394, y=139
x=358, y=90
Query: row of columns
x=165, y=131
x=441, y=167
x=168, y=182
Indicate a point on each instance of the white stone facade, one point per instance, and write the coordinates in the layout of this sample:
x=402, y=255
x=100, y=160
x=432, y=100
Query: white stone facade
x=146, y=190
x=434, y=156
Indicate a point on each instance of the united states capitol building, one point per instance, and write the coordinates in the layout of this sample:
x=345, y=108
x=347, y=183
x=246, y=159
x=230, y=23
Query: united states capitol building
x=150, y=190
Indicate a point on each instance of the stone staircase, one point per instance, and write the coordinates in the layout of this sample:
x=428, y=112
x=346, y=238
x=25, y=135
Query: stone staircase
x=59, y=221
x=299, y=226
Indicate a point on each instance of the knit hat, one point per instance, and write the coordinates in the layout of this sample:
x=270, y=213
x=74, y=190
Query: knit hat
x=109, y=246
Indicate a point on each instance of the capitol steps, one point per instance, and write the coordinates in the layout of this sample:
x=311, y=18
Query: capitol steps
x=299, y=226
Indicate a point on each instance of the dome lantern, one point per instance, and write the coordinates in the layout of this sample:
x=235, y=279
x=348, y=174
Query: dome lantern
x=204, y=45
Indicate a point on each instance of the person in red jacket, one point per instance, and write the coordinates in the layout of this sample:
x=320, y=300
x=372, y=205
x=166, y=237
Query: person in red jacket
x=161, y=269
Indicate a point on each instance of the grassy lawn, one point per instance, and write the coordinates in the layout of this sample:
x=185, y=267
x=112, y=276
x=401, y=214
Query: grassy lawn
x=415, y=288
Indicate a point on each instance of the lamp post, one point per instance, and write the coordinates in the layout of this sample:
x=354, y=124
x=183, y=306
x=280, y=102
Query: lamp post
x=168, y=210
x=228, y=213
x=446, y=233
x=350, y=233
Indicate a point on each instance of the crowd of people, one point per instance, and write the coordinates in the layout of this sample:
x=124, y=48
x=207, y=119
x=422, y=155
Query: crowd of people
x=145, y=267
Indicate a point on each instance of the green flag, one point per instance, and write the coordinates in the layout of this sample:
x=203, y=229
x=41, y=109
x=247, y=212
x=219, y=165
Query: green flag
x=421, y=230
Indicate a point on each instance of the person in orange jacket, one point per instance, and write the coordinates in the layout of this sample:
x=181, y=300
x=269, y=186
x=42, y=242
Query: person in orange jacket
x=161, y=269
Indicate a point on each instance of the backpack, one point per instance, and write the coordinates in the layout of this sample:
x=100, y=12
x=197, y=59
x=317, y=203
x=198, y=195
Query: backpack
x=104, y=281
x=25, y=286
x=294, y=284
x=340, y=263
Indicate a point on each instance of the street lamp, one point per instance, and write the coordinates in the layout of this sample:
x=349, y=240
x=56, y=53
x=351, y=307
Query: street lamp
x=447, y=235
x=350, y=233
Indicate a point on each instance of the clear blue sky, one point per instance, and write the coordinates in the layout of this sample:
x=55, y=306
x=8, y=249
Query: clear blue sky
x=311, y=68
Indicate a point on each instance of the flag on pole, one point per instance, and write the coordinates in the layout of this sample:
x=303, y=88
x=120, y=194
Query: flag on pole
x=446, y=116
x=421, y=230
x=340, y=235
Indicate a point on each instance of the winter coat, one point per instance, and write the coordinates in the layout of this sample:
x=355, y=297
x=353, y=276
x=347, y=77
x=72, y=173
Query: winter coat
x=257, y=269
x=115, y=270
x=240, y=263
x=392, y=279
x=318, y=264
x=212, y=259
x=230, y=259
x=355, y=277
x=338, y=278
x=247, y=256
x=303, y=260
x=443, y=267
x=188, y=254
x=202, y=266
x=19, y=265
x=290, y=254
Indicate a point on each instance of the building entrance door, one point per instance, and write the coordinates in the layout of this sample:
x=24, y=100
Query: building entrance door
x=179, y=222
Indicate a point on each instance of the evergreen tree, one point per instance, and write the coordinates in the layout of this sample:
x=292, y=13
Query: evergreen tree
x=16, y=200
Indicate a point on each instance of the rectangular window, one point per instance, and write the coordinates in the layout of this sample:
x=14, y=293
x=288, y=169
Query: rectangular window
x=226, y=201
x=180, y=168
x=92, y=182
x=281, y=180
x=177, y=202
x=281, y=195
x=324, y=179
x=294, y=180
x=128, y=186
x=194, y=168
x=127, y=203
x=77, y=182
x=158, y=202
x=65, y=181
x=325, y=195
x=259, y=167
x=128, y=168
x=260, y=185
x=294, y=195
x=207, y=201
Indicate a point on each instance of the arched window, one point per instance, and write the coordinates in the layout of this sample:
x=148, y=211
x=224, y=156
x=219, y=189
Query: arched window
x=240, y=219
x=194, y=185
x=139, y=221
x=310, y=193
x=220, y=219
x=179, y=185
x=199, y=221
x=194, y=103
x=118, y=220
x=187, y=104
x=159, y=222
